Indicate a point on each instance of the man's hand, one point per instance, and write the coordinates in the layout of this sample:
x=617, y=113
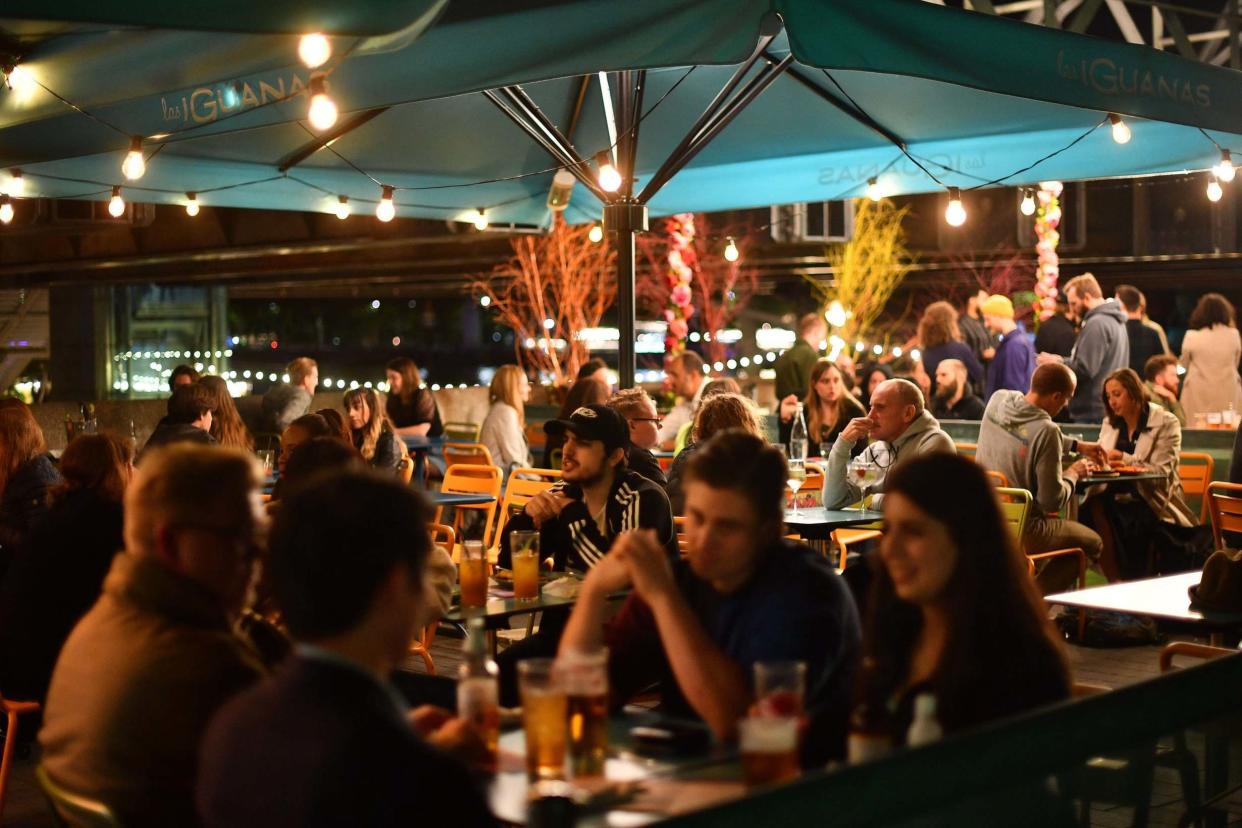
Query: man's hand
x=789, y=407
x=428, y=718
x=458, y=737
x=1080, y=469
x=546, y=506
x=989, y=353
x=1045, y=358
x=858, y=428
x=1161, y=391
x=648, y=564
x=1114, y=456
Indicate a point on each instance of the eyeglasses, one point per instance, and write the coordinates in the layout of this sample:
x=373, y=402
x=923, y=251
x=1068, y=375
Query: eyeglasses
x=656, y=420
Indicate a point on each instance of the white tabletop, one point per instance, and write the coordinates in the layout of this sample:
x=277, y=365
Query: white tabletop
x=1163, y=597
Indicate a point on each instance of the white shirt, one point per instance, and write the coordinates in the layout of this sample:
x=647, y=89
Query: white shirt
x=681, y=414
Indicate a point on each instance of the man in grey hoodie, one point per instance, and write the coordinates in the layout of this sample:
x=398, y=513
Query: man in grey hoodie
x=1019, y=439
x=899, y=427
x=1103, y=346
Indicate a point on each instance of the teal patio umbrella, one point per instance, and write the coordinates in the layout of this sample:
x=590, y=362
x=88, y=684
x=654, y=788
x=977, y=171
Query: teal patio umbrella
x=702, y=104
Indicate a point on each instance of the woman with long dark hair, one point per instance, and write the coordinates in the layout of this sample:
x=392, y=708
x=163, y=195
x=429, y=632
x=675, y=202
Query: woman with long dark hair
x=410, y=407
x=57, y=576
x=1211, y=351
x=829, y=404
x=226, y=423
x=372, y=432
x=953, y=611
x=26, y=475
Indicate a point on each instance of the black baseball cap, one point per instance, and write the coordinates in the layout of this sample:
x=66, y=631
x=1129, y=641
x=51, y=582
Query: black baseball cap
x=593, y=422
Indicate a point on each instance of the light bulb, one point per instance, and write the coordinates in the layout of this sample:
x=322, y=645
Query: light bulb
x=17, y=184
x=562, y=190
x=116, y=206
x=191, y=204
x=1121, y=132
x=342, y=208
x=314, y=50
x=322, y=112
x=1214, y=190
x=19, y=80
x=873, y=189
x=955, y=213
x=1224, y=170
x=134, y=166
x=1028, y=203
x=596, y=233
x=480, y=219
x=6, y=209
x=386, y=209
x=609, y=178
x=731, y=253
x=835, y=314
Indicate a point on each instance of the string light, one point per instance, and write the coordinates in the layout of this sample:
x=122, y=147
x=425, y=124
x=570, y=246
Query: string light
x=873, y=189
x=17, y=184
x=134, y=166
x=596, y=234
x=609, y=178
x=1214, y=190
x=386, y=210
x=836, y=314
x=6, y=209
x=955, y=213
x=18, y=79
x=1224, y=170
x=1121, y=132
x=191, y=204
x=1028, y=202
x=561, y=191
x=322, y=113
x=480, y=219
x=314, y=50
x=342, y=207
x=731, y=253
x=116, y=205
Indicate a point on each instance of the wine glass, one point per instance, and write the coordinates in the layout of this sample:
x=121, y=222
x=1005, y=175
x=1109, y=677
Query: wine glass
x=797, y=474
x=863, y=474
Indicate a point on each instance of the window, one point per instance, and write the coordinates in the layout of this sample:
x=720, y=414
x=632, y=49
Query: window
x=828, y=221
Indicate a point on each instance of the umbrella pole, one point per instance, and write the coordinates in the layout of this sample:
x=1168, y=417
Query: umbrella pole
x=625, y=217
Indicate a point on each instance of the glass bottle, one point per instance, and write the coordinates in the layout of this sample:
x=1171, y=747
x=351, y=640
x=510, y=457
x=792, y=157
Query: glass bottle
x=478, y=690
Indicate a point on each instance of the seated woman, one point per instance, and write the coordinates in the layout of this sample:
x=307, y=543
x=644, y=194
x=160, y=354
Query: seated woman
x=57, y=577
x=829, y=406
x=226, y=423
x=720, y=385
x=411, y=407
x=872, y=376
x=717, y=413
x=953, y=611
x=26, y=475
x=504, y=428
x=371, y=430
x=1137, y=431
x=587, y=391
x=336, y=422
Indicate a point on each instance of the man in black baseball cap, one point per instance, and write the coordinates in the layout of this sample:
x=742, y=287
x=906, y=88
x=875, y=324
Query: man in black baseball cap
x=597, y=499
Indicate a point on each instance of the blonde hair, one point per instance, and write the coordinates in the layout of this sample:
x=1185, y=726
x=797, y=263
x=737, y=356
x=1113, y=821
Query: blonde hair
x=506, y=387
x=226, y=424
x=813, y=404
x=298, y=369
x=375, y=424
x=723, y=412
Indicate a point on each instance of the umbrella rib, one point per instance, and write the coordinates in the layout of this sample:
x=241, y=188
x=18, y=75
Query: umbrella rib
x=325, y=140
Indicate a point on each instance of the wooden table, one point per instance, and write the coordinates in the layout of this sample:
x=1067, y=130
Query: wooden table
x=817, y=523
x=1165, y=598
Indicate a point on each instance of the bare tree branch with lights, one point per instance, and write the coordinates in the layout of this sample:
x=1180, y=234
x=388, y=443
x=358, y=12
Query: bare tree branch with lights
x=563, y=277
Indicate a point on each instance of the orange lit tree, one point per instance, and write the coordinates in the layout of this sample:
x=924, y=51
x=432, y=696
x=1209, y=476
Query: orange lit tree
x=552, y=287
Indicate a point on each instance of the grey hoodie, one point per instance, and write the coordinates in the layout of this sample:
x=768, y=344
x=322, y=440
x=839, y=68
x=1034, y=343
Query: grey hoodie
x=1102, y=347
x=1021, y=442
x=922, y=436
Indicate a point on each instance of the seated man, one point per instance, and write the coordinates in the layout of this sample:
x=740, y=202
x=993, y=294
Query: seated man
x=146, y=668
x=1019, y=439
x=578, y=518
x=327, y=739
x=640, y=412
x=742, y=595
x=190, y=409
x=900, y=428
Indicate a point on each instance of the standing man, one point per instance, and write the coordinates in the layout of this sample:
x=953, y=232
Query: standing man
x=1163, y=382
x=1014, y=360
x=1144, y=342
x=639, y=411
x=286, y=401
x=685, y=373
x=1057, y=334
x=974, y=332
x=793, y=368
x=1102, y=347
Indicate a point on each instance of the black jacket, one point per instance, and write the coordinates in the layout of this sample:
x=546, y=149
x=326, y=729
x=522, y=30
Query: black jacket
x=24, y=503
x=645, y=463
x=573, y=538
x=322, y=744
x=166, y=433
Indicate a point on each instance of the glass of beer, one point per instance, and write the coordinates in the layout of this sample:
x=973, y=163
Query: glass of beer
x=585, y=676
x=780, y=688
x=524, y=550
x=769, y=749
x=544, y=718
x=472, y=575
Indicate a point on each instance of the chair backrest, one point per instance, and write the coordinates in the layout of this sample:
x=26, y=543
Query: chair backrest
x=679, y=524
x=1225, y=507
x=463, y=431
x=1015, y=505
x=466, y=478
x=1195, y=468
x=72, y=810
x=519, y=490
x=442, y=535
x=1190, y=650
x=473, y=453
x=967, y=449
x=998, y=479
x=536, y=437
x=405, y=469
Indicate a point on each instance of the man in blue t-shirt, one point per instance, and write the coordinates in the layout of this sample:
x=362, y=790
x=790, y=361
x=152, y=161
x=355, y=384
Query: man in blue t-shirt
x=741, y=595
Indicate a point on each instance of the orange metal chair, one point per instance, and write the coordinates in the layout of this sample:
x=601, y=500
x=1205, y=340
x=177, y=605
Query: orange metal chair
x=522, y=486
x=466, y=478
x=998, y=479
x=406, y=469
x=441, y=535
x=1225, y=508
x=11, y=710
x=475, y=454
x=1195, y=469
x=967, y=449
x=679, y=525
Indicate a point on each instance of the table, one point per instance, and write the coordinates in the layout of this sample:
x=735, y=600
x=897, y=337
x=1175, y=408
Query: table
x=817, y=523
x=1112, y=480
x=419, y=445
x=459, y=499
x=1164, y=598
x=669, y=785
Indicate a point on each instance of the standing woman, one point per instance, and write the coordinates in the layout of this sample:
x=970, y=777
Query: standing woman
x=372, y=432
x=411, y=407
x=1210, y=352
x=26, y=475
x=226, y=424
x=58, y=576
x=940, y=338
x=504, y=429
